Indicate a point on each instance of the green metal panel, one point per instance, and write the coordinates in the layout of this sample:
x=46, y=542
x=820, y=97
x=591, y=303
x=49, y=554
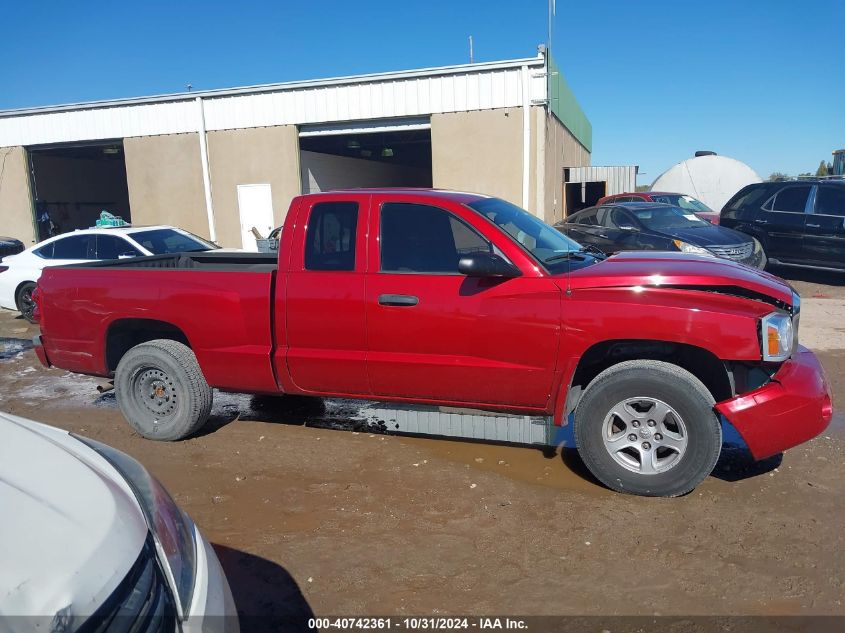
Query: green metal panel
x=565, y=107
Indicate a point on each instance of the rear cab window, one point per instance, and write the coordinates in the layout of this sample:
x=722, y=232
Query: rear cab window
x=331, y=236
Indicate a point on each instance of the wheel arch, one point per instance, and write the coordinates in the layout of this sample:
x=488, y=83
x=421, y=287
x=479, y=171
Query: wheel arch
x=125, y=333
x=698, y=361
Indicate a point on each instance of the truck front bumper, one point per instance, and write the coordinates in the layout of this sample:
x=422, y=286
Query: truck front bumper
x=791, y=409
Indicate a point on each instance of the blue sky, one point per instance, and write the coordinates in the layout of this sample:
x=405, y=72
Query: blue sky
x=758, y=80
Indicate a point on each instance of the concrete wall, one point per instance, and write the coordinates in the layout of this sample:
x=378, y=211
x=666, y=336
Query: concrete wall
x=15, y=203
x=479, y=151
x=251, y=156
x=562, y=149
x=164, y=175
x=321, y=172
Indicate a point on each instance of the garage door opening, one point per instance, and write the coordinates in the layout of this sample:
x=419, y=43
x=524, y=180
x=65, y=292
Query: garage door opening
x=72, y=184
x=365, y=158
x=580, y=195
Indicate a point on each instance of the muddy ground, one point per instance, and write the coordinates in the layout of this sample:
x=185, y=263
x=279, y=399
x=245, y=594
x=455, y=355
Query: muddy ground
x=310, y=518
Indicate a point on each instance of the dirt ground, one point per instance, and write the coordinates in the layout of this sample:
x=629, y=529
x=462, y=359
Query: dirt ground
x=311, y=513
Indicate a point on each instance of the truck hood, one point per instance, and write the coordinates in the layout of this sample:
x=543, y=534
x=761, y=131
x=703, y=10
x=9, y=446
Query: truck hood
x=696, y=272
x=71, y=528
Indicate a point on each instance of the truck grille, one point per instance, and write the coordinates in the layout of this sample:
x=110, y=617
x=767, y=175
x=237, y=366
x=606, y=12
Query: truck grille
x=142, y=601
x=736, y=252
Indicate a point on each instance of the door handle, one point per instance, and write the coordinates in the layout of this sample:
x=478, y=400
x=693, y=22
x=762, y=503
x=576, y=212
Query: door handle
x=814, y=226
x=761, y=221
x=406, y=301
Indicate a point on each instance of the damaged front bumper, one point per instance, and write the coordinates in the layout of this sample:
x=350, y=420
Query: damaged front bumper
x=790, y=410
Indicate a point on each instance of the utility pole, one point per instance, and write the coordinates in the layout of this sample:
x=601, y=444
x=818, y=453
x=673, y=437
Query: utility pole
x=470, y=50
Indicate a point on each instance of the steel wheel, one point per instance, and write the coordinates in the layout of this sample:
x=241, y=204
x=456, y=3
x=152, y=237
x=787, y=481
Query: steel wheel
x=155, y=391
x=644, y=435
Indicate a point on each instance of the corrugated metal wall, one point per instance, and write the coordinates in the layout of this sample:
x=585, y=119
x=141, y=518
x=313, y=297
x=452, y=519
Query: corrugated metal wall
x=477, y=87
x=619, y=179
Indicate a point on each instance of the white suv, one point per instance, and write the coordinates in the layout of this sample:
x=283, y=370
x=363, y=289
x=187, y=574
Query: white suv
x=19, y=273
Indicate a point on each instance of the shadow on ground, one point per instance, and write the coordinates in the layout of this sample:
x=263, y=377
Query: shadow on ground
x=822, y=277
x=266, y=595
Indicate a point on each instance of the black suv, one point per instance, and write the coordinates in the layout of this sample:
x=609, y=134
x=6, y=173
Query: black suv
x=799, y=222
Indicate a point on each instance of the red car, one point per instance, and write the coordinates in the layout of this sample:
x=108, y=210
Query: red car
x=461, y=300
x=676, y=199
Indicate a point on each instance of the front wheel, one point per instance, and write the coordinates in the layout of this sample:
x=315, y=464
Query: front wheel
x=24, y=302
x=648, y=427
x=161, y=390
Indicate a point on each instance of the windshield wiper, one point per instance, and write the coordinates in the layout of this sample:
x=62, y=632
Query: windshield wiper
x=567, y=255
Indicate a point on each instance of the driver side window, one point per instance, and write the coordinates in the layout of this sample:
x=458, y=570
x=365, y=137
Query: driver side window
x=419, y=238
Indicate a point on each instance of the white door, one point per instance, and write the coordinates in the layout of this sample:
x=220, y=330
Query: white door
x=255, y=205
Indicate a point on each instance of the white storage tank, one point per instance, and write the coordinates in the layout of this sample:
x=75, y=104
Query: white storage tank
x=711, y=178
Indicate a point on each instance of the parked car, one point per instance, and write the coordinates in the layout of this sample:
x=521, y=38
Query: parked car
x=637, y=226
x=9, y=246
x=19, y=273
x=682, y=200
x=799, y=222
x=453, y=299
x=91, y=541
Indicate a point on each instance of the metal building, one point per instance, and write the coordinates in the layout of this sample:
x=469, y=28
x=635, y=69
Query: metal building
x=219, y=162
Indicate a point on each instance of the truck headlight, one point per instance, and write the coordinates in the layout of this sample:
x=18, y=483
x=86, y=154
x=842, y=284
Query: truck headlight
x=172, y=530
x=777, y=336
x=684, y=247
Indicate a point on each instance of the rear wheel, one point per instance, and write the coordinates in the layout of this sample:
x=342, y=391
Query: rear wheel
x=24, y=302
x=161, y=390
x=648, y=427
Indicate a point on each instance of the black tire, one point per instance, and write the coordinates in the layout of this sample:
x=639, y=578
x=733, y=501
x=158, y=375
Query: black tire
x=655, y=381
x=161, y=391
x=23, y=300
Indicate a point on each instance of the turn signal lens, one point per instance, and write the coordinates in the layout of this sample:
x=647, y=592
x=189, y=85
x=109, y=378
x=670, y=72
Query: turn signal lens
x=773, y=341
x=777, y=336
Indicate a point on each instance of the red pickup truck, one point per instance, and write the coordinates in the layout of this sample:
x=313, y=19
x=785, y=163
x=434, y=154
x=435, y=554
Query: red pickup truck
x=457, y=299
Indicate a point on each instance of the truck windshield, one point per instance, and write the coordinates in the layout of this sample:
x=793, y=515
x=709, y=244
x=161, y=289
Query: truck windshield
x=164, y=241
x=545, y=243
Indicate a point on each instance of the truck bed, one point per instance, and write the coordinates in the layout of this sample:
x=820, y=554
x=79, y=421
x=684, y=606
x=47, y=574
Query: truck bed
x=219, y=302
x=208, y=261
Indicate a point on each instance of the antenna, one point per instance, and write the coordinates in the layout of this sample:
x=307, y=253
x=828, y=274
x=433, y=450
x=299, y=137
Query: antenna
x=470, y=50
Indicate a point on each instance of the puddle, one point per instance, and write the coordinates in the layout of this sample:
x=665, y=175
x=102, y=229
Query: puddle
x=13, y=347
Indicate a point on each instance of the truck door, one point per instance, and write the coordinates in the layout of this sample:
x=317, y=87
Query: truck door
x=323, y=302
x=824, y=241
x=434, y=334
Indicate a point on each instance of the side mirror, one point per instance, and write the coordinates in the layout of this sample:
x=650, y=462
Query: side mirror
x=486, y=265
x=627, y=227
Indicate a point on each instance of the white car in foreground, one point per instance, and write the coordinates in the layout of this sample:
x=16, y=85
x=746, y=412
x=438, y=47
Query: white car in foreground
x=88, y=536
x=19, y=273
